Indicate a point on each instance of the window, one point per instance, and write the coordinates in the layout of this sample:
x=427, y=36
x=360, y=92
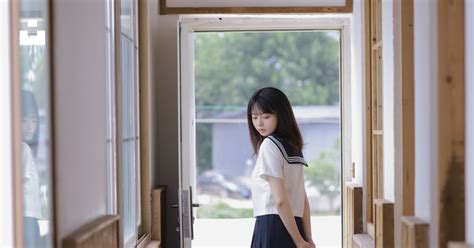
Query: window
x=111, y=108
x=35, y=124
x=374, y=108
x=129, y=121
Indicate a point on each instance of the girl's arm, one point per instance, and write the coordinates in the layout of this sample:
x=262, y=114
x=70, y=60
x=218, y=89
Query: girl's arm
x=307, y=220
x=277, y=187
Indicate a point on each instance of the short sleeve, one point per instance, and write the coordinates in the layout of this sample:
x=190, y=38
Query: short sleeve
x=27, y=162
x=270, y=160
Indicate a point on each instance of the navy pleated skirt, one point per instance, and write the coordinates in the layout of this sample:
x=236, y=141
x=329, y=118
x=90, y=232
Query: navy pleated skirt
x=270, y=232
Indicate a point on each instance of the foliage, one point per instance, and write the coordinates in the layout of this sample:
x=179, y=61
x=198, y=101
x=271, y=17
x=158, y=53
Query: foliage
x=34, y=74
x=204, y=149
x=324, y=173
x=223, y=211
x=230, y=66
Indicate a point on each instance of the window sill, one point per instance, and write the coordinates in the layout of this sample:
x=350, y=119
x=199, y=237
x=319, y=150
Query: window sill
x=362, y=240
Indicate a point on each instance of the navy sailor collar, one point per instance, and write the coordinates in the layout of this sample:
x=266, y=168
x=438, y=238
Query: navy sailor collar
x=292, y=154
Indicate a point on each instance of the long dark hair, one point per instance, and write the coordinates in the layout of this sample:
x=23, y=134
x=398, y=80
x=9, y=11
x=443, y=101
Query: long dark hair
x=29, y=109
x=274, y=101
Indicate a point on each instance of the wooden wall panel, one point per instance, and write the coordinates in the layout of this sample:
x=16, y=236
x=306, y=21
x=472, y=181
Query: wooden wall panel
x=102, y=232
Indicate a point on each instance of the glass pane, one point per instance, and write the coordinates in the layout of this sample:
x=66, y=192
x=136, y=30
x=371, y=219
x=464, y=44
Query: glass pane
x=109, y=46
x=229, y=67
x=130, y=123
x=127, y=135
x=126, y=16
x=35, y=123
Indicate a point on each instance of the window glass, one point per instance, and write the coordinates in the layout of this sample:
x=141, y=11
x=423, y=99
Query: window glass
x=110, y=83
x=129, y=121
x=35, y=123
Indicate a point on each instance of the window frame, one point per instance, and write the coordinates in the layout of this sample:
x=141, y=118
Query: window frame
x=7, y=168
x=134, y=172
x=188, y=24
x=373, y=181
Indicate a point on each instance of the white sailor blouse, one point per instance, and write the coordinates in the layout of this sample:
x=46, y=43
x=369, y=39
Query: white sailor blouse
x=277, y=158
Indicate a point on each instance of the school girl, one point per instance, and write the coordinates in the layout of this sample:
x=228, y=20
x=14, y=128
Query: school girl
x=280, y=203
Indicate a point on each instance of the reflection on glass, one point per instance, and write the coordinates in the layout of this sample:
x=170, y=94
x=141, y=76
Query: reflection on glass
x=35, y=115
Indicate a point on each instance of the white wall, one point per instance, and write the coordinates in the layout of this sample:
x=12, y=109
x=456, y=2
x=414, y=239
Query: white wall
x=79, y=113
x=469, y=121
x=6, y=163
x=357, y=92
x=397, y=121
x=425, y=47
x=388, y=99
x=164, y=78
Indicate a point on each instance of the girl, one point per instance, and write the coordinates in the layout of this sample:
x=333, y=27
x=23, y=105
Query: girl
x=280, y=203
x=31, y=186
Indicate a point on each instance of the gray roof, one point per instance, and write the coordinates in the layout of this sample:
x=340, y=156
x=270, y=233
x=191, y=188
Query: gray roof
x=303, y=114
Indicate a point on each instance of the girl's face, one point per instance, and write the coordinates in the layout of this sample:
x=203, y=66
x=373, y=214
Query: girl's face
x=29, y=127
x=264, y=123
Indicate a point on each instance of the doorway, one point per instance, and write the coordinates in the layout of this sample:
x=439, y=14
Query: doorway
x=222, y=62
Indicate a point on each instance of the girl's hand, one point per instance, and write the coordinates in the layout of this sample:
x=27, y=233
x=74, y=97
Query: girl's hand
x=304, y=244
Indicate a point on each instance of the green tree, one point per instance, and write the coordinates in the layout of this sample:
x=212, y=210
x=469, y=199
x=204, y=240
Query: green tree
x=324, y=173
x=230, y=66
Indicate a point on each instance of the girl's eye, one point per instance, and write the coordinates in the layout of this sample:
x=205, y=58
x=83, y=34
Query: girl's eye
x=266, y=116
x=254, y=117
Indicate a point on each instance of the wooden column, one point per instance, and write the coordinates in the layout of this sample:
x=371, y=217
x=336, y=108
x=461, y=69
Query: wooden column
x=414, y=232
x=408, y=108
x=354, y=212
x=451, y=111
x=384, y=225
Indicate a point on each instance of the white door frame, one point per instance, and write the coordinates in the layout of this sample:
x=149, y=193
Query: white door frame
x=188, y=25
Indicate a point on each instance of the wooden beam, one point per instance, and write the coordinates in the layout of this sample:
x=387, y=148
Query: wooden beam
x=414, y=232
x=165, y=10
x=408, y=108
x=384, y=224
x=368, y=115
x=451, y=126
